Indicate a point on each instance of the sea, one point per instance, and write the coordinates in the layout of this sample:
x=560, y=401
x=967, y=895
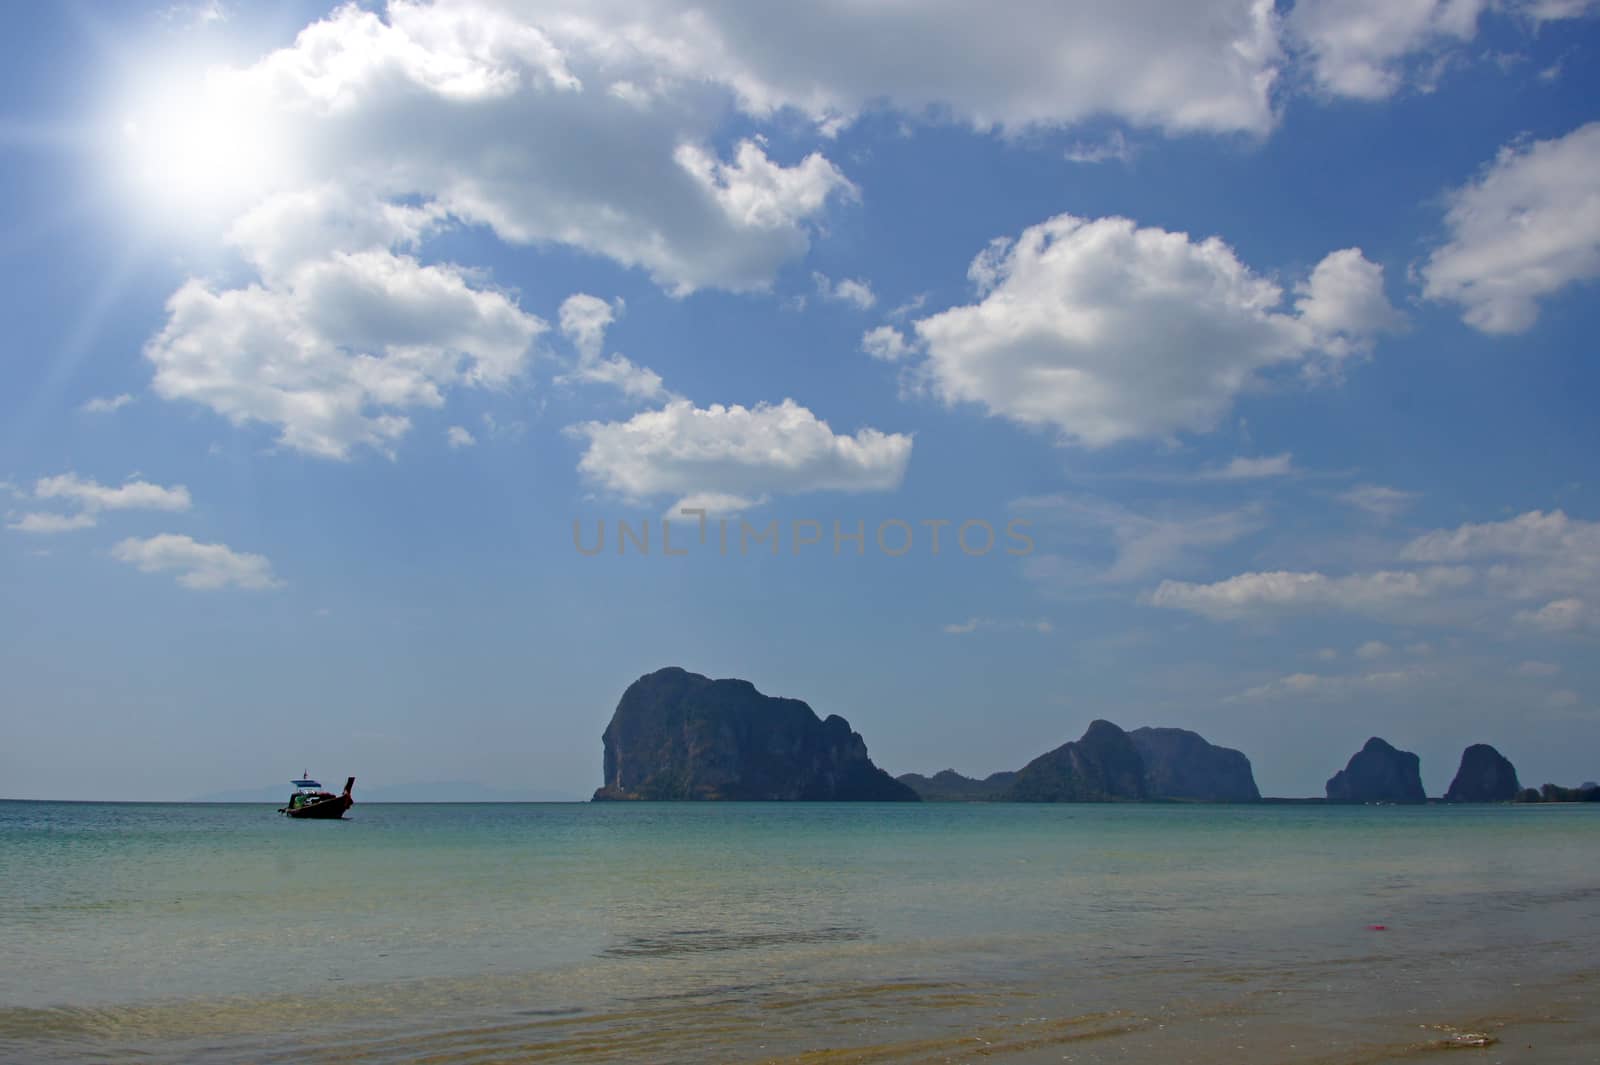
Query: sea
x=815, y=933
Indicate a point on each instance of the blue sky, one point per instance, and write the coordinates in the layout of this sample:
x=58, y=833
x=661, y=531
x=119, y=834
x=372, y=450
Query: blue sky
x=1274, y=326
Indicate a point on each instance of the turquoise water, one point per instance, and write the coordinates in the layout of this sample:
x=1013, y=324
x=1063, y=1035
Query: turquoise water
x=742, y=932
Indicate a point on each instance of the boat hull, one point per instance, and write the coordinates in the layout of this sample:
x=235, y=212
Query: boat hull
x=327, y=809
x=318, y=806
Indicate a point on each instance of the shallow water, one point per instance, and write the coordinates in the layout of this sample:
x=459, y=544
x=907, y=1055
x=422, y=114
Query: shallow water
x=820, y=932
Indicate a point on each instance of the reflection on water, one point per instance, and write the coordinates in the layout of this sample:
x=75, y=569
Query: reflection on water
x=814, y=933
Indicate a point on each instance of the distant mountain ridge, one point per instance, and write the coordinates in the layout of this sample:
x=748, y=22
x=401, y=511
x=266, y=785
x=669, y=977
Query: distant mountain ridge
x=1109, y=765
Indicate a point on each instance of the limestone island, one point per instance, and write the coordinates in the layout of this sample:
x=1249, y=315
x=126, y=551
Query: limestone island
x=677, y=735
x=1109, y=765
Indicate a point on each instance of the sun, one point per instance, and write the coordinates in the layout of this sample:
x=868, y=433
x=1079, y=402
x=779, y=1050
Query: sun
x=196, y=148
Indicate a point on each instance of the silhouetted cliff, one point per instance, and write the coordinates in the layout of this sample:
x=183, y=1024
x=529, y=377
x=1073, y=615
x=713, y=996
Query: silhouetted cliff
x=1179, y=764
x=1378, y=773
x=1485, y=775
x=1103, y=766
x=679, y=735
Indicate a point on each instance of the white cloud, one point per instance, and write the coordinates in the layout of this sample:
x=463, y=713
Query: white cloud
x=715, y=504
x=1533, y=668
x=548, y=123
x=1564, y=697
x=1198, y=66
x=746, y=452
x=886, y=343
x=198, y=566
x=333, y=352
x=130, y=495
x=1344, y=304
x=1369, y=49
x=106, y=404
x=974, y=624
x=1538, y=570
x=1555, y=10
x=1378, y=500
x=457, y=436
x=1537, y=555
x=1527, y=228
x=1330, y=687
x=1558, y=615
x=1114, y=147
x=1242, y=468
x=288, y=228
x=1144, y=544
x=1112, y=332
x=1250, y=594
x=584, y=321
x=44, y=523
x=850, y=290
x=1358, y=48
x=1372, y=649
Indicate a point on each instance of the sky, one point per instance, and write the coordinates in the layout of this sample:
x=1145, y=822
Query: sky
x=1260, y=339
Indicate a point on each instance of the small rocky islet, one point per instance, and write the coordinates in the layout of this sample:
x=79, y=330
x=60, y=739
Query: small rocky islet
x=677, y=735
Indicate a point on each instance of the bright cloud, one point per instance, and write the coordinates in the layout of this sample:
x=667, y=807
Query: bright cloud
x=204, y=567
x=584, y=321
x=849, y=290
x=1112, y=332
x=1378, y=500
x=1251, y=594
x=1527, y=228
x=1331, y=687
x=548, y=123
x=735, y=451
x=335, y=351
x=886, y=343
x=1203, y=66
x=130, y=495
x=1538, y=571
x=45, y=523
x=1242, y=468
x=457, y=436
x=106, y=404
x=1369, y=49
x=1143, y=544
x=1558, y=615
x=1358, y=48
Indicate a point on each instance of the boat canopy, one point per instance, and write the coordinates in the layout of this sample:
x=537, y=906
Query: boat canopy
x=305, y=783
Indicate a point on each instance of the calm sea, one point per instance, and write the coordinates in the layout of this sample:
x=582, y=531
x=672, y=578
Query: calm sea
x=734, y=932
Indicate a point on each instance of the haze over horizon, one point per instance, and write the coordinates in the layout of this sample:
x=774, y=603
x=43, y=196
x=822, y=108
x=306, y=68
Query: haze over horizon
x=1270, y=326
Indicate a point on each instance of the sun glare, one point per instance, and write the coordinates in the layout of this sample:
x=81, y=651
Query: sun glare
x=194, y=150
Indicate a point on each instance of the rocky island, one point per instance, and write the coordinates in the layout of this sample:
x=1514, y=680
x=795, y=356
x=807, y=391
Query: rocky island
x=1378, y=773
x=1109, y=765
x=679, y=735
x=1485, y=775
x=1179, y=764
x=949, y=786
x=1102, y=766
